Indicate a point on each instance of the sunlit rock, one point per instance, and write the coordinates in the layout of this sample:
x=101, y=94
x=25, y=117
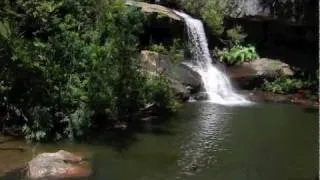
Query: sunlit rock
x=58, y=165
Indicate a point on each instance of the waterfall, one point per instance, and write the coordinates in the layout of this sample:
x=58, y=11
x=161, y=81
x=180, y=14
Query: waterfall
x=216, y=84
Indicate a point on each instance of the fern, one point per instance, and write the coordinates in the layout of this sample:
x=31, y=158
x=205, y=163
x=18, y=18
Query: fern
x=237, y=54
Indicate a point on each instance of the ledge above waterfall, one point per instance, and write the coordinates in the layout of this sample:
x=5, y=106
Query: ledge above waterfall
x=154, y=8
x=161, y=24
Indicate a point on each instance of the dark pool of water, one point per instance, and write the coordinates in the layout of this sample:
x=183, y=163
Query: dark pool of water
x=203, y=142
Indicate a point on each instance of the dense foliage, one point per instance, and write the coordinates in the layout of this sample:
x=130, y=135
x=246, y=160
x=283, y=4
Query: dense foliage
x=69, y=66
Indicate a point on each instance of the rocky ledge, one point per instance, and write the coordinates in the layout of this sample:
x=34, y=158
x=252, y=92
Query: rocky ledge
x=154, y=8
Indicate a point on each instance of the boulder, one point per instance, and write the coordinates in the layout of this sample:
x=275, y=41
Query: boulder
x=181, y=78
x=181, y=91
x=252, y=74
x=58, y=165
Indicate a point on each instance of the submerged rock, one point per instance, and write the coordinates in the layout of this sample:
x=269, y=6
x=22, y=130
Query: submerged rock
x=251, y=74
x=201, y=96
x=58, y=165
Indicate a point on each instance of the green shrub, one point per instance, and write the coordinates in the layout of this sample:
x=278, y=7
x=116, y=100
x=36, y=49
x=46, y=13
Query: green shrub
x=237, y=54
x=159, y=48
x=284, y=85
x=235, y=35
x=175, y=51
x=211, y=12
x=159, y=93
x=212, y=15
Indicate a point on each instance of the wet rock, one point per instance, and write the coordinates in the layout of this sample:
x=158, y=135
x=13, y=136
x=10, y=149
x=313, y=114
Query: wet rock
x=201, y=96
x=183, y=80
x=181, y=91
x=188, y=77
x=251, y=74
x=58, y=165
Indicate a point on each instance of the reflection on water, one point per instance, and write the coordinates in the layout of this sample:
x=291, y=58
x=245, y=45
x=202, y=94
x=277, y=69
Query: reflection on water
x=204, y=141
x=205, y=136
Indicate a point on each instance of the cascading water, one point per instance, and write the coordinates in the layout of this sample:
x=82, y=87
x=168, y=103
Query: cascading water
x=216, y=84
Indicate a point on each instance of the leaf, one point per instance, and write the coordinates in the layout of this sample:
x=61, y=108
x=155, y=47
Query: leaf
x=5, y=31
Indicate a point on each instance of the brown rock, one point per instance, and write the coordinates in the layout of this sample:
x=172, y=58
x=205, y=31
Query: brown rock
x=58, y=165
x=251, y=74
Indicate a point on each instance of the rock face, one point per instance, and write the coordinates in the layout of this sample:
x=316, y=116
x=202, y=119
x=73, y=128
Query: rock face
x=294, y=11
x=58, y=165
x=182, y=79
x=250, y=74
x=280, y=29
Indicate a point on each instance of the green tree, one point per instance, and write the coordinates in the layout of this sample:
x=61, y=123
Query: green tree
x=65, y=63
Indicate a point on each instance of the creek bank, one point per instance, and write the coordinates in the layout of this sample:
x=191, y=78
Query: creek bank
x=248, y=76
x=302, y=97
x=251, y=75
x=58, y=165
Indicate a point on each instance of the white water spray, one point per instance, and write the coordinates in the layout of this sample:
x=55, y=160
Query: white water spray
x=216, y=84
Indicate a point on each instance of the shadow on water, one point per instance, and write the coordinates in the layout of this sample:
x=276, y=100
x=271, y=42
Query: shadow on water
x=156, y=126
x=17, y=174
x=118, y=140
x=121, y=139
x=6, y=140
x=311, y=110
